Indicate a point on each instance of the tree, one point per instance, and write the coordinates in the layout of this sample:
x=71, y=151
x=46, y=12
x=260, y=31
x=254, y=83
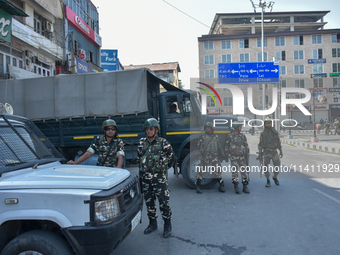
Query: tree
x=180, y=84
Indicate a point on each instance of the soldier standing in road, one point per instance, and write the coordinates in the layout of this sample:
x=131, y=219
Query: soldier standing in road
x=336, y=125
x=268, y=146
x=327, y=126
x=155, y=155
x=210, y=156
x=237, y=149
x=110, y=149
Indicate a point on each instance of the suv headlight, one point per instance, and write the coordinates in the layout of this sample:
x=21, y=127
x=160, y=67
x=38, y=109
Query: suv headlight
x=106, y=210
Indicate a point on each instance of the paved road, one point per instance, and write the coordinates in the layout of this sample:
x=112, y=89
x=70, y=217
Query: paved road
x=301, y=216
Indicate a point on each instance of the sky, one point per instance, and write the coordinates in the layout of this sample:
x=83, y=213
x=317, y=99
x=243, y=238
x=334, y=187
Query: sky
x=153, y=31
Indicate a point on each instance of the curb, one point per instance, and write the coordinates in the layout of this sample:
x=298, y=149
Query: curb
x=310, y=145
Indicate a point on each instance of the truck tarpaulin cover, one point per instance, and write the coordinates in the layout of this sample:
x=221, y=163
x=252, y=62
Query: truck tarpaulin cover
x=81, y=95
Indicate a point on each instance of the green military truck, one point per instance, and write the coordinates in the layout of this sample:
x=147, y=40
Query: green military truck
x=70, y=110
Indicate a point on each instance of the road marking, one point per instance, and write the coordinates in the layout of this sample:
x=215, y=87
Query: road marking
x=326, y=195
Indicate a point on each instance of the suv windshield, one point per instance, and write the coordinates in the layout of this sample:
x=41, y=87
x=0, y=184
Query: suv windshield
x=23, y=145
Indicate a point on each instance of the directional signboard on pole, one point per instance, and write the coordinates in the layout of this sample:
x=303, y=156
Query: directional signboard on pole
x=250, y=72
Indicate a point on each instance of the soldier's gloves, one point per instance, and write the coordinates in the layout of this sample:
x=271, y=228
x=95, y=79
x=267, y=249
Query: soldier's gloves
x=281, y=154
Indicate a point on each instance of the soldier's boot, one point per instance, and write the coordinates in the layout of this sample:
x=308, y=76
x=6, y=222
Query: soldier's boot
x=245, y=189
x=268, y=183
x=276, y=181
x=152, y=227
x=221, y=187
x=237, y=191
x=167, y=228
x=198, y=186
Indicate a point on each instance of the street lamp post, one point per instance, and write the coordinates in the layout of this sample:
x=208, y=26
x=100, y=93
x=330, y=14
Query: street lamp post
x=262, y=4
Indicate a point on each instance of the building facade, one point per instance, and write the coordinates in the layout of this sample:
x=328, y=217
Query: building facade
x=308, y=54
x=165, y=71
x=49, y=37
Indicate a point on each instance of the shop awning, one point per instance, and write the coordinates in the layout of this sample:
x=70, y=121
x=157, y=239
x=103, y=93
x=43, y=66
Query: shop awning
x=11, y=9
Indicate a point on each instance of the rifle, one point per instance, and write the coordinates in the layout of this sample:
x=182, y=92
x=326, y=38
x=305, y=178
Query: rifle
x=259, y=158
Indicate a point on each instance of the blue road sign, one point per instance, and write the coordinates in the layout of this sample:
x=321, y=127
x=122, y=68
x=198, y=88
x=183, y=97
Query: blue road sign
x=250, y=72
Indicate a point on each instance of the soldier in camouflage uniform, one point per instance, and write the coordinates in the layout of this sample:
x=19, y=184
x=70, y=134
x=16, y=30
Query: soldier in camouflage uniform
x=268, y=146
x=237, y=149
x=211, y=155
x=155, y=157
x=336, y=125
x=327, y=126
x=109, y=148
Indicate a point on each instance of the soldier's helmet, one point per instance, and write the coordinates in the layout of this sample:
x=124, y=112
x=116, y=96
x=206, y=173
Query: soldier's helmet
x=237, y=124
x=152, y=122
x=108, y=123
x=209, y=124
x=267, y=120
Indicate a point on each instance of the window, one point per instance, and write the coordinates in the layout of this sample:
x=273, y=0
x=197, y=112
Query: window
x=336, y=38
x=298, y=40
x=317, y=68
x=336, y=82
x=283, y=70
x=299, y=83
x=260, y=100
x=258, y=42
x=209, y=74
x=227, y=101
x=226, y=90
x=259, y=56
x=336, y=53
x=40, y=24
x=318, y=83
x=298, y=54
x=317, y=53
x=208, y=46
x=316, y=39
x=244, y=43
x=210, y=102
x=299, y=69
x=336, y=68
x=226, y=58
x=244, y=57
x=209, y=60
x=280, y=41
x=37, y=23
x=283, y=83
x=280, y=55
x=226, y=45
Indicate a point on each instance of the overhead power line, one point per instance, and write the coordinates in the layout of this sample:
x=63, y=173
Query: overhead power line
x=186, y=14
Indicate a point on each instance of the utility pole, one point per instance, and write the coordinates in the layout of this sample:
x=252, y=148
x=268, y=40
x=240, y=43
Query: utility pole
x=73, y=58
x=262, y=4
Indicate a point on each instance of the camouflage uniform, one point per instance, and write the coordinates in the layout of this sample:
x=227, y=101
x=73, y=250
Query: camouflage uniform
x=210, y=156
x=154, y=159
x=269, y=143
x=327, y=126
x=236, y=146
x=101, y=146
x=336, y=126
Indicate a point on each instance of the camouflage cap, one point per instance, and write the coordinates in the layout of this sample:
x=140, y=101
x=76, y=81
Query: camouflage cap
x=152, y=122
x=237, y=123
x=108, y=123
x=209, y=124
x=268, y=120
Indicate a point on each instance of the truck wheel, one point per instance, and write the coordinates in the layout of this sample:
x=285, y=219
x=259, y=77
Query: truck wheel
x=189, y=174
x=38, y=242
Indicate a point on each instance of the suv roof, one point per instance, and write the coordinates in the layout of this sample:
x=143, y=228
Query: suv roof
x=23, y=145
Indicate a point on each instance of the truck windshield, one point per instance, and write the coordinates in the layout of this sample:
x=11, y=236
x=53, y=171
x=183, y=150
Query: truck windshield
x=23, y=145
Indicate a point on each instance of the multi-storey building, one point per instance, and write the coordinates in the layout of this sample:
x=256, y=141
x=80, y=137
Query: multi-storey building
x=297, y=40
x=165, y=71
x=35, y=40
x=44, y=38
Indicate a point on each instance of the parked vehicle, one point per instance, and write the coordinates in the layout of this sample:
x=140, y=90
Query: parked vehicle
x=53, y=208
x=70, y=109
